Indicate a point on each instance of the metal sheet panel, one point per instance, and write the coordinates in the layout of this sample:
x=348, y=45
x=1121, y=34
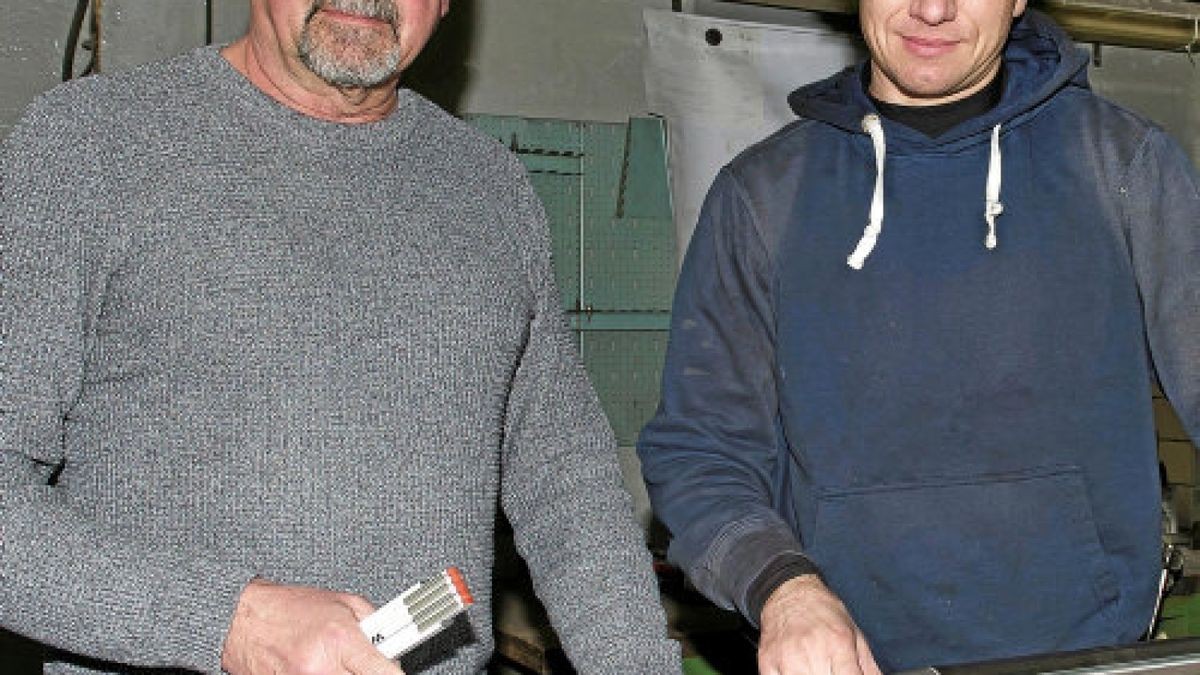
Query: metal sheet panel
x=625, y=367
x=607, y=200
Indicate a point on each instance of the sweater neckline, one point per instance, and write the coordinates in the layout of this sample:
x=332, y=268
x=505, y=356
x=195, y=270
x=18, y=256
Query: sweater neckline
x=253, y=100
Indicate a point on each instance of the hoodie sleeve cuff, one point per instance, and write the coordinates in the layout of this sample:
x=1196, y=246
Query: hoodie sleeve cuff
x=782, y=568
x=741, y=554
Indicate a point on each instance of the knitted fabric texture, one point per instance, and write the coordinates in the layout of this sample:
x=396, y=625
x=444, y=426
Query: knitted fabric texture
x=250, y=342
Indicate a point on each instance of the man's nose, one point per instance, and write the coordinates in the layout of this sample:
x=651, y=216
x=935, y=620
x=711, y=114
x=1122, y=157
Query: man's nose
x=933, y=12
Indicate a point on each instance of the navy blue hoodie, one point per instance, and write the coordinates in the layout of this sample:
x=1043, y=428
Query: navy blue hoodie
x=952, y=419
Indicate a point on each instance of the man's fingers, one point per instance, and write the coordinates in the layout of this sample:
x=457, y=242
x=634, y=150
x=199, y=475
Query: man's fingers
x=367, y=660
x=831, y=654
x=292, y=629
x=358, y=605
x=845, y=662
x=807, y=631
x=768, y=664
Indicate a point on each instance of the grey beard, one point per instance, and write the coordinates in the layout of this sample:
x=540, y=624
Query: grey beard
x=331, y=55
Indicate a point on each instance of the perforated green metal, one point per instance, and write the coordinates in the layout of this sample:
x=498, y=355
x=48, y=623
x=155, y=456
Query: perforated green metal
x=605, y=190
x=625, y=368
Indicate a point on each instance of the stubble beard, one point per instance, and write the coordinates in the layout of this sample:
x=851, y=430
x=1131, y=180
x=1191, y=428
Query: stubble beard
x=347, y=55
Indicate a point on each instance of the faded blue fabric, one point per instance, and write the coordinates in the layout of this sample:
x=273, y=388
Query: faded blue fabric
x=961, y=439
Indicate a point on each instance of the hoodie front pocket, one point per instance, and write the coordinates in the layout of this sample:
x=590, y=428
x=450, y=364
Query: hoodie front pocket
x=971, y=568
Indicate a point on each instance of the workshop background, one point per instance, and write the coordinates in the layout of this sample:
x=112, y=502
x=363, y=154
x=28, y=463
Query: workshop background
x=564, y=84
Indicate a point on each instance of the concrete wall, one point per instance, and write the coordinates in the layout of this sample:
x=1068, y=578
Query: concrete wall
x=1164, y=87
x=570, y=59
x=137, y=31
x=578, y=59
x=539, y=58
x=32, y=34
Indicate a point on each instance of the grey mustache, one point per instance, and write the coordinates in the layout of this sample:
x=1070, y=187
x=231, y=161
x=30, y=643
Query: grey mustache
x=384, y=10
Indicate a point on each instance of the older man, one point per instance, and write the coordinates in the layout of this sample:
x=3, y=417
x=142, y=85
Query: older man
x=278, y=339
x=929, y=440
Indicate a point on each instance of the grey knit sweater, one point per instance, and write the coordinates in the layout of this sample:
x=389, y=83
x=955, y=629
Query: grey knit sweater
x=249, y=342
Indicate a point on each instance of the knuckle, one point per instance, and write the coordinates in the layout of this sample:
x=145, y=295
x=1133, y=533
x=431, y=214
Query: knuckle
x=843, y=635
x=350, y=599
x=337, y=632
x=310, y=663
x=355, y=604
x=365, y=661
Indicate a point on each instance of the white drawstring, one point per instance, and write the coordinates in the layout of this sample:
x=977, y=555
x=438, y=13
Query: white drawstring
x=991, y=210
x=870, y=235
x=992, y=206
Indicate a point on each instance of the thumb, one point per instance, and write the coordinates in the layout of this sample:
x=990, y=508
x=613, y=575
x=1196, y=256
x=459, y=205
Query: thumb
x=359, y=606
x=866, y=660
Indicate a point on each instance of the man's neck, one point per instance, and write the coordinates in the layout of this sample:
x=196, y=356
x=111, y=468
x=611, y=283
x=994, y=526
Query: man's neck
x=296, y=87
x=935, y=120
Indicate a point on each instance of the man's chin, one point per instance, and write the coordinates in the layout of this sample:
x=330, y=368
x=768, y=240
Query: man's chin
x=350, y=58
x=931, y=91
x=345, y=72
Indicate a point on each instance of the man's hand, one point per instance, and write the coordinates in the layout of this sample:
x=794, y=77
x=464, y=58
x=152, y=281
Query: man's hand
x=298, y=630
x=806, y=630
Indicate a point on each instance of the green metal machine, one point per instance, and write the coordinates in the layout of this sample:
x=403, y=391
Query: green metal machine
x=608, y=203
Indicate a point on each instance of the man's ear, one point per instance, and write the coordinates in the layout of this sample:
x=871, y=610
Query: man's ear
x=1019, y=8
x=446, y=6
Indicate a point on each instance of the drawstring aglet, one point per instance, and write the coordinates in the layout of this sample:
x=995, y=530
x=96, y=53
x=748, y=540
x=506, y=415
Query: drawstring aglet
x=991, y=211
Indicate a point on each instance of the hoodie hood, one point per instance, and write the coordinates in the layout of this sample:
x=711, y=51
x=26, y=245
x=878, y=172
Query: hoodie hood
x=1039, y=60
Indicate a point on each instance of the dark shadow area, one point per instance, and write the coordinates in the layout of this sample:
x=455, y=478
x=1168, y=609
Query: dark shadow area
x=526, y=644
x=733, y=653
x=19, y=656
x=721, y=638
x=440, y=73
